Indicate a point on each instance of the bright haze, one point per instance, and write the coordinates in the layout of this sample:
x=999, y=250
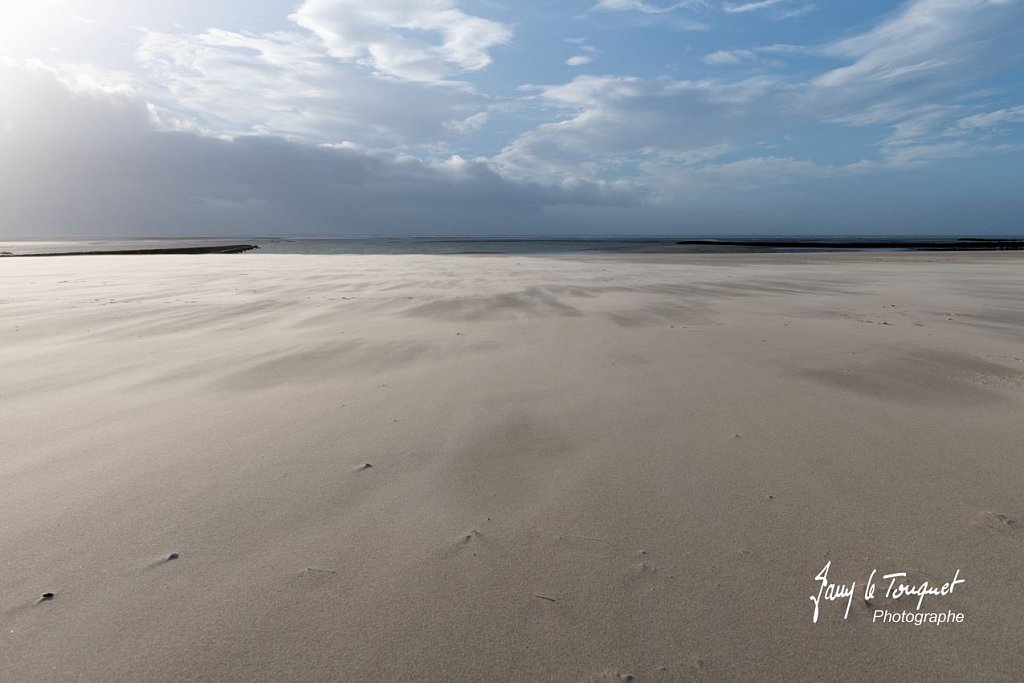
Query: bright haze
x=494, y=117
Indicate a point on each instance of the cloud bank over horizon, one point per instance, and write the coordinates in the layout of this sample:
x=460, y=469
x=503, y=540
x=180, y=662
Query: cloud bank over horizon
x=445, y=118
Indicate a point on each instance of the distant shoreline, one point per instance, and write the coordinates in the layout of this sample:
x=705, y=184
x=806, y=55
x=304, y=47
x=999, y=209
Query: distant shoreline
x=961, y=244
x=222, y=249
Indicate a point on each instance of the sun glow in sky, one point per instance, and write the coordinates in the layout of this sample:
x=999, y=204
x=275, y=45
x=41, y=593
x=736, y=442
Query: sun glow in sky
x=482, y=117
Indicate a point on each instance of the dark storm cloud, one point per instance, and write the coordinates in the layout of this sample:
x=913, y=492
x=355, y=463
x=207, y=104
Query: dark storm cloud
x=84, y=160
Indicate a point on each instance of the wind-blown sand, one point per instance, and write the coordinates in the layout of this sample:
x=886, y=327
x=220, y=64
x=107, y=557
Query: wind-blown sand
x=581, y=468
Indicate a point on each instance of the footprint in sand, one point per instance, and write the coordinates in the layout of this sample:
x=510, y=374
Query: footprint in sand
x=609, y=676
x=469, y=543
x=996, y=522
x=645, y=569
x=162, y=561
x=648, y=575
x=677, y=671
x=319, y=572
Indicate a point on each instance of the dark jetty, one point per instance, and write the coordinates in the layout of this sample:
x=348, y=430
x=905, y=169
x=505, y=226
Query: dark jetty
x=223, y=249
x=963, y=244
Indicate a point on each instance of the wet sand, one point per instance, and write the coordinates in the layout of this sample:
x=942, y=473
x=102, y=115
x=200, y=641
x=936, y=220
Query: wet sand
x=469, y=468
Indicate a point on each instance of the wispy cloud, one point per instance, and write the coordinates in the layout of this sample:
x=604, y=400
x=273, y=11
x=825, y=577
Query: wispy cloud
x=778, y=9
x=740, y=8
x=664, y=14
x=617, y=122
x=646, y=7
x=994, y=118
x=757, y=54
x=895, y=78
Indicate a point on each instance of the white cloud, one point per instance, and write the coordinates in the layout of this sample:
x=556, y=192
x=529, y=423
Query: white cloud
x=420, y=40
x=469, y=124
x=588, y=51
x=724, y=57
x=286, y=83
x=346, y=71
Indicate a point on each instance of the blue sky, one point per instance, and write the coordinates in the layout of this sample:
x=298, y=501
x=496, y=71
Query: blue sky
x=482, y=116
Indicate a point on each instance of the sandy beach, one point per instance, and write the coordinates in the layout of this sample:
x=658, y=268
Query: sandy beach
x=469, y=468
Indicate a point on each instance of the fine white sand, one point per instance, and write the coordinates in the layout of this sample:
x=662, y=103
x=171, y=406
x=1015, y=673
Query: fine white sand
x=582, y=468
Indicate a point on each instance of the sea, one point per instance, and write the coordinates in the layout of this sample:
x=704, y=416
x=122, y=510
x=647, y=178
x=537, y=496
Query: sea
x=452, y=245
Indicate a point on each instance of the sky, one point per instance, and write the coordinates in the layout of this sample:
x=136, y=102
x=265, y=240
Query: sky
x=493, y=117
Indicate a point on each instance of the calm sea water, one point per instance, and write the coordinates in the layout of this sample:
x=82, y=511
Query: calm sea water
x=398, y=245
x=353, y=245
x=460, y=246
